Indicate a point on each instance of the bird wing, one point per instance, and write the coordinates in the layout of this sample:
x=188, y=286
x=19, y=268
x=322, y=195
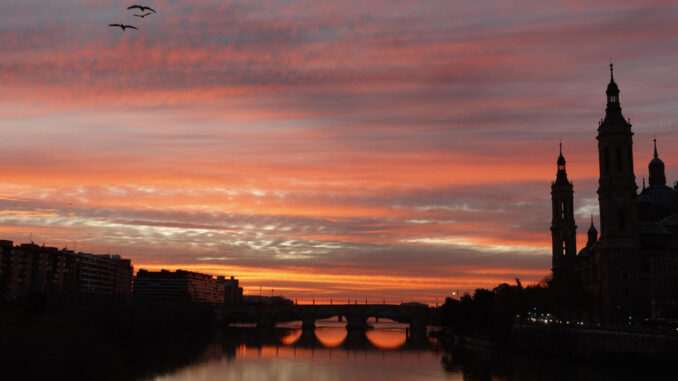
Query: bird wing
x=148, y=13
x=135, y=6
x=151, y=9
x=133, y=27
x=120, y=25
x=139, y=15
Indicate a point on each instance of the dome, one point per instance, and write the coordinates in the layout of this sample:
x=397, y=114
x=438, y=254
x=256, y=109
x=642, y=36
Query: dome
x=588, y=250
x=592, y=229
x=661, y=197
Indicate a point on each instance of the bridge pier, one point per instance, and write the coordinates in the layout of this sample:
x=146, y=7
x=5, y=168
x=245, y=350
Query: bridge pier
x=417, y=324
x=308, y=323
x=357, y=322
x=265, y=321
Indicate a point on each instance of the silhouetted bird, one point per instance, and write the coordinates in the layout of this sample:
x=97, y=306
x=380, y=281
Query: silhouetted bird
x=144, y=15
x=142, y=8
x=123, y=26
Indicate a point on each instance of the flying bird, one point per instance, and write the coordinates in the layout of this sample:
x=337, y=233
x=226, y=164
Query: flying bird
x=143, y=15
x=123, y=26
x=142, y=8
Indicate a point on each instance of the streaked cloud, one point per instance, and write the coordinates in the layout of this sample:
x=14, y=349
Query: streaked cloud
x=408, y=142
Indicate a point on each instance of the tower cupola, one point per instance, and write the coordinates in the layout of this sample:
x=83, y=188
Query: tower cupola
x=561, y=174
x=612, y=88
x=613, y=112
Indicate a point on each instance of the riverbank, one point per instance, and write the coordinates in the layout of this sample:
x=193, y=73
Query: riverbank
x=103, y=340
x=595, y=344
x=592, y=345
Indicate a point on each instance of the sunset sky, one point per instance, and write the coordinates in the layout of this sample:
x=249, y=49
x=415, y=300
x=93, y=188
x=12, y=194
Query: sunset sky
x=379, y=149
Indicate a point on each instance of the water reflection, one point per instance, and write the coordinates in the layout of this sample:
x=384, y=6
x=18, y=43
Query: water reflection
x=330, y=337
x=330, y=333
x=290, y=337
x=389, y=352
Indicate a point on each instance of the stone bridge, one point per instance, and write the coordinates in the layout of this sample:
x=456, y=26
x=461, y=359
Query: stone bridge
x=308, y=338
x=418, y=316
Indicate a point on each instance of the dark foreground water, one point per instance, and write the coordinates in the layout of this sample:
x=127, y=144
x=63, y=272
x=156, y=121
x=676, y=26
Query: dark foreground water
x=387, y=352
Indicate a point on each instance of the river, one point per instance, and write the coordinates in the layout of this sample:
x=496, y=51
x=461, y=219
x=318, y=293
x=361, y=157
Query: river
x=387, y=352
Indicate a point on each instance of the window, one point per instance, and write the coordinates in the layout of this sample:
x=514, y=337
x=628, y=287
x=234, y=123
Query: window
x=619, y=159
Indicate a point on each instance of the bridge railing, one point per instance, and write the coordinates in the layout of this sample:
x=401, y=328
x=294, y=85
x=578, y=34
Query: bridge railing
x=354, y=301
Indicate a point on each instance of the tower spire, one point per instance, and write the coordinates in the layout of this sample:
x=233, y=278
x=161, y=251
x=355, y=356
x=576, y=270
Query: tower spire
x=655, y=147
x=561, y=175
x=613, y=114
x=656, y=168
x=592, y=234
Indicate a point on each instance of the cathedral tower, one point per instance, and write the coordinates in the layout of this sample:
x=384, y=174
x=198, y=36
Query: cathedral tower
x=617, y=185
x=563, y=229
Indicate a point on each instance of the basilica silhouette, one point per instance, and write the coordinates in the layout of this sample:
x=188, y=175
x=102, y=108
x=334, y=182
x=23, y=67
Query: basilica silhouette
x=630, y=274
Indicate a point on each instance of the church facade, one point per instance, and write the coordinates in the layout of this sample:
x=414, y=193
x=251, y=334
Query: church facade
x=630, y=273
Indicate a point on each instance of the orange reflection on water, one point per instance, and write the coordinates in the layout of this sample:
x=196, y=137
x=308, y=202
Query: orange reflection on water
x=291, y=337
x=386, y=339
x=330, y=337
